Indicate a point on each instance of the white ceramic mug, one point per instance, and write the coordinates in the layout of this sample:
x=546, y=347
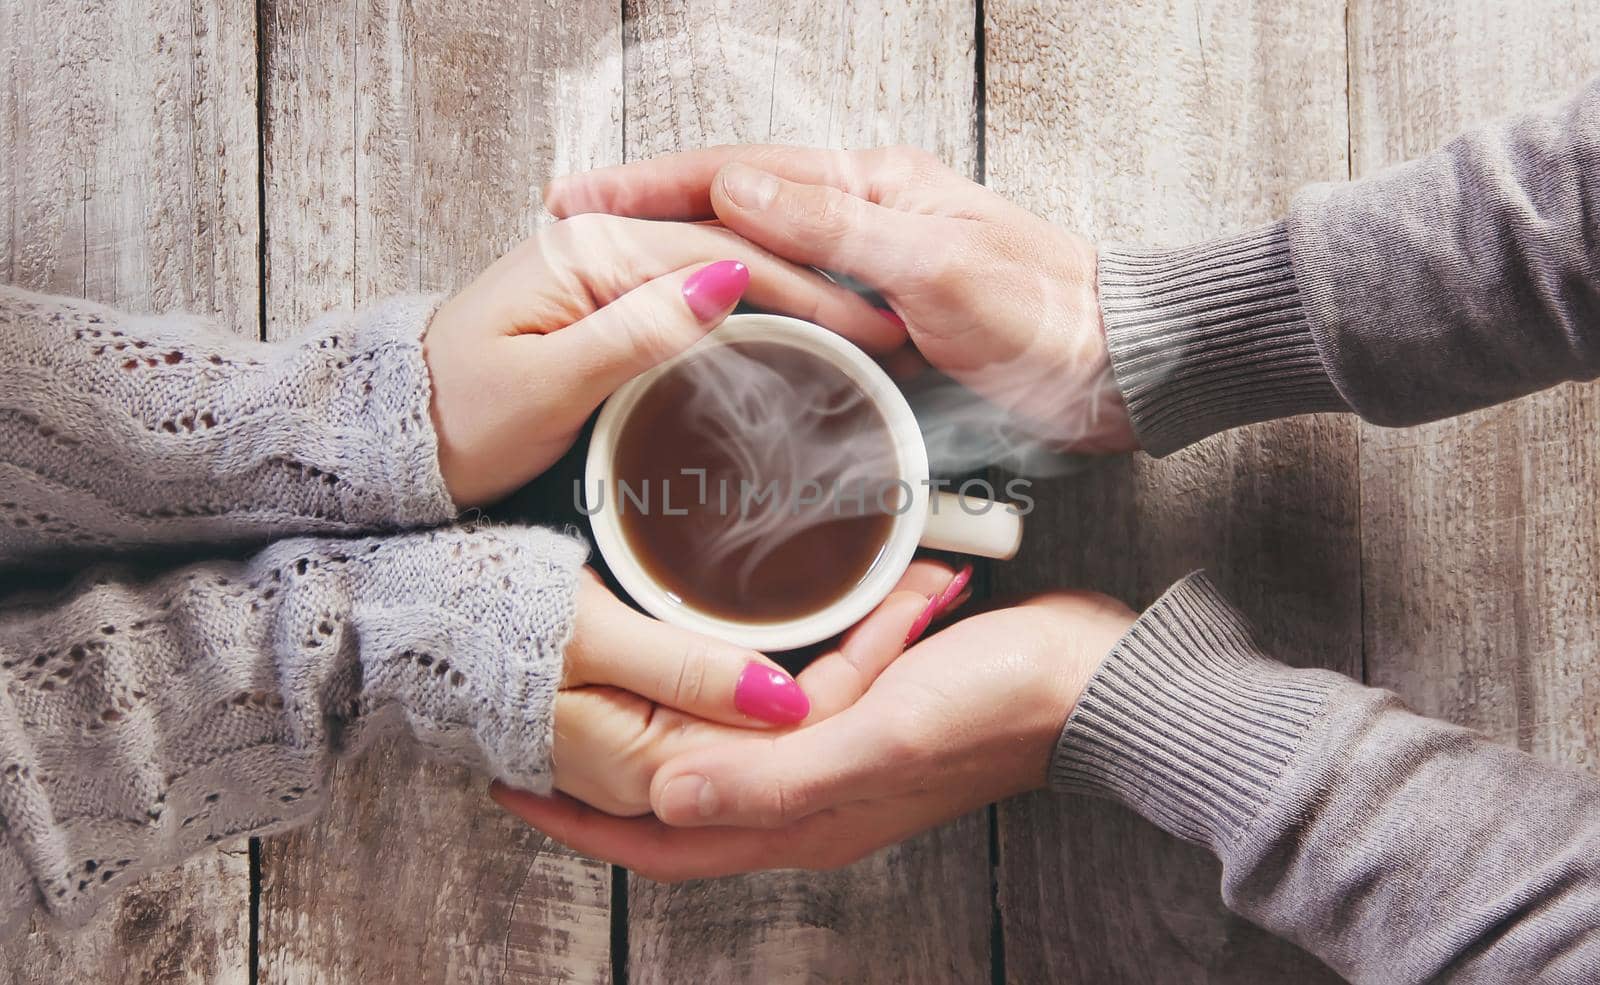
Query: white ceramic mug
x=943, y=521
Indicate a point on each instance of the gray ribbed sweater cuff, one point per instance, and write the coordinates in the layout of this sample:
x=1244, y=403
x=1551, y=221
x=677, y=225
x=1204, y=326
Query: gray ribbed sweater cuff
x=1210, y=337
x=1187, y=722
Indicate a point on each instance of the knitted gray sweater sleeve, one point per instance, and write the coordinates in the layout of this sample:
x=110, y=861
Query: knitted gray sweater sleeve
x=1456, y=281
x=1396, y=848
x=123, y=431
x=143, y=720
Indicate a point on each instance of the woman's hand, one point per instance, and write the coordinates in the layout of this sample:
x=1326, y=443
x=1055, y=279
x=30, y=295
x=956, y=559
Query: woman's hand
x=964, y=718
x=990, y=293
x=639, y=692
x=523, y=356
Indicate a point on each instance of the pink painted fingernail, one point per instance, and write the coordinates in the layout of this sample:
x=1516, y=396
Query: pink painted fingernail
x=947, y=598
x=714, y=288
x=771, y=695
x=943, y=602
x=687, y=796
x=921, y=625
x=899, y=322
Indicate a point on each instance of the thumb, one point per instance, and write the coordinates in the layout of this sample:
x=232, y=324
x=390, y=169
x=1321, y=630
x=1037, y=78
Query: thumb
x=772, y=783
x=645, y=327
x=820, y=225
x=615, y=644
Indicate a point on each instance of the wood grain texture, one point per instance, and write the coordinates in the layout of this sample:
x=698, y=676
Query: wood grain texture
x=854, y=75
x=128, y=173
x=405, y=144
x=918, y=912
x=128, y=176
x=1160, y=124
x=1480, y=535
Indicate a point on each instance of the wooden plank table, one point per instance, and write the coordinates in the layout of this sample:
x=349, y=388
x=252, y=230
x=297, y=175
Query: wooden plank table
x=263, y=162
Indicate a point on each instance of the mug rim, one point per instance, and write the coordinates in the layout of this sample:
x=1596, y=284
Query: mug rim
x=899, y=547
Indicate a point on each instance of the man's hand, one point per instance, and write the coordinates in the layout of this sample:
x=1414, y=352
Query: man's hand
x=989, y=293
x=966, y=717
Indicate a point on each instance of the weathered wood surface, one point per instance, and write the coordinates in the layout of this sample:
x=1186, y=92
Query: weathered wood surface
x=1480, y=535
x=128, y=176
x=404, y=146
x=1156, y=124
x=851, y=75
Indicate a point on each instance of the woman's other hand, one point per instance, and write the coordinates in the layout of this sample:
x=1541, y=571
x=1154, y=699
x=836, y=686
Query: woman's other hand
x=639, y=692
x=991, y=294
x=521, y=357
x=967, y=717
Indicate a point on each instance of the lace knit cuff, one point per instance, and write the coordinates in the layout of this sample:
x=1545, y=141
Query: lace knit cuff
x=387, y=443
x=141, y=722
x=16, y=888
x=124, y=431
x=464, y=632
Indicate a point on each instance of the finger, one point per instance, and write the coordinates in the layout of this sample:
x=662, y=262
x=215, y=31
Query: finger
x=947, y=601
x=678, y=186
x=643, y=844
x=660, y=852
x=610, y=742
x=927, y=576
x=838, y=678
x=644, y=327
x=599, y=749
x=905, y=363
x=849, y=757
x=835, y=680
x=825, y=227
x=702, y=676
x=637, y=251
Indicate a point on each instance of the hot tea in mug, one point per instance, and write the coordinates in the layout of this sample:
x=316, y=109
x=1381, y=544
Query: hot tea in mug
x=770, y=486
x=749, y=481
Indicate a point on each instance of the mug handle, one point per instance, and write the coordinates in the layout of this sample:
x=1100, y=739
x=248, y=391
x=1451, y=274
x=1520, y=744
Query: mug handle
x=972, y=525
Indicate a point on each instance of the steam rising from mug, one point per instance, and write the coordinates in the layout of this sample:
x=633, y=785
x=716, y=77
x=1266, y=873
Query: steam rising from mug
x=779, y=431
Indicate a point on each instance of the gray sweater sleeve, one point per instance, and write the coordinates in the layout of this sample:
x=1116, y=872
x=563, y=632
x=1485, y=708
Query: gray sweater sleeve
x=1396, y=848
x=144, y=720
x=1456, y=281
x=123, y=431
